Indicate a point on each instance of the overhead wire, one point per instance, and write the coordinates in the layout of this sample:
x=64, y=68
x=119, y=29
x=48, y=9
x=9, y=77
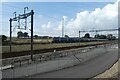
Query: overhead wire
x=13, y=6
x=58, y=19
x=35, y=13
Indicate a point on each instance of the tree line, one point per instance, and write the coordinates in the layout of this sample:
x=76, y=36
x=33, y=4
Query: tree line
x=98, y=36
x=20, y=34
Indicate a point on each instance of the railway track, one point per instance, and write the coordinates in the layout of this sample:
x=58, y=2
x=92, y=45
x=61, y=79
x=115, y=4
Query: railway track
x=40, y=51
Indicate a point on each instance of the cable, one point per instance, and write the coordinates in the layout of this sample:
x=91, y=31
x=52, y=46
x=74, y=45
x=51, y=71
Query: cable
x=35, y=12
x=48, y=16
x=3, y=22
x=14, y=28
x=2, y=15
x=12, y=6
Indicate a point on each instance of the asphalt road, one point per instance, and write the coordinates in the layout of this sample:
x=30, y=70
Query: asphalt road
x=85, y=70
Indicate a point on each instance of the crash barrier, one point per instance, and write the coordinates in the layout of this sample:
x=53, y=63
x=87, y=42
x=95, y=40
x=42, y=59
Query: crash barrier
x=23, y=66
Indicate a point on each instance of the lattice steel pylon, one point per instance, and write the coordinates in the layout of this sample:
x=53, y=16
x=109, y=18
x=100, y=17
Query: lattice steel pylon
x=18, y=18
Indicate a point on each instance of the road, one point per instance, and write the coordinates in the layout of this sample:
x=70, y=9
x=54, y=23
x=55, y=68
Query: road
x=87, y=69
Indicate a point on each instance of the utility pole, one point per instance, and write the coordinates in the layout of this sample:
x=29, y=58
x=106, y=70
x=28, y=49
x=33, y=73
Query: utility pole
x=119, y=41
x=32, y=13
x=62, y=27
x=96, y=32
x=79, y=38
x=10, y=35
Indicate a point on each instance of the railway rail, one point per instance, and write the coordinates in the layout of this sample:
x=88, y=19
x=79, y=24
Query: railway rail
x=40, y=51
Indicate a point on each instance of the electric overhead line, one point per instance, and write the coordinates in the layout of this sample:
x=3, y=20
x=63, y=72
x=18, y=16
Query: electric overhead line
x=22, y=8
x=4, y=22
x=100, y=30
x=4, y=15
x=13, y=6
x=10, y=5
x=49, y=16
x=28, y=22
x=58, y=19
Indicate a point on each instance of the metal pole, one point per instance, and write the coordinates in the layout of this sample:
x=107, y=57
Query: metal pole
x=62, y=27
x=79, y=38
x=96, y=32
x=10, y=35
x=119, y=42
x=32, y=34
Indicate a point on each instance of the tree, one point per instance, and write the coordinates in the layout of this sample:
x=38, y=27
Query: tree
x=111, y=37
x=66, y=36
x=4, y=38
x=97, y=36
x=36, y=36
x=87, y=35
x=114, y=38
x=102, y=37
x=19, y=34
x=25, y=34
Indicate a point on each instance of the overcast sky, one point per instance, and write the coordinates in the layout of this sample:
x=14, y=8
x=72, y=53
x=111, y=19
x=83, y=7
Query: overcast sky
x=48, y=15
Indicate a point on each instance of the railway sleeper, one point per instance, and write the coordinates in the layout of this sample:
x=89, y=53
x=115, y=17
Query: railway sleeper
x=6, y=62
x=43, y=58
x=51, y=56
x=40, y=58
x=23, y=60
x=36, y=58
x=46, y=57
x=61, y=55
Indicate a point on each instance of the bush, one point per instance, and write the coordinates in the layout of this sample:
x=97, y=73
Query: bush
x=3, y=37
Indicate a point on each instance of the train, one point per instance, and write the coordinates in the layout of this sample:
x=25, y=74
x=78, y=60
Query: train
x=75, y=39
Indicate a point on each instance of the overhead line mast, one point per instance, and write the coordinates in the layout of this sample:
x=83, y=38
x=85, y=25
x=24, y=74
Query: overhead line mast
x=62, y=27
x=17, y=18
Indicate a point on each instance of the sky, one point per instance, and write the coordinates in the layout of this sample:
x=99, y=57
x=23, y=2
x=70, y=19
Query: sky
x=48, y=17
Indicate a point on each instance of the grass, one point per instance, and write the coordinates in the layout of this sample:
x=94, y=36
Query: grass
x=17, y=40
x=24, y=47
x=16, y=48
